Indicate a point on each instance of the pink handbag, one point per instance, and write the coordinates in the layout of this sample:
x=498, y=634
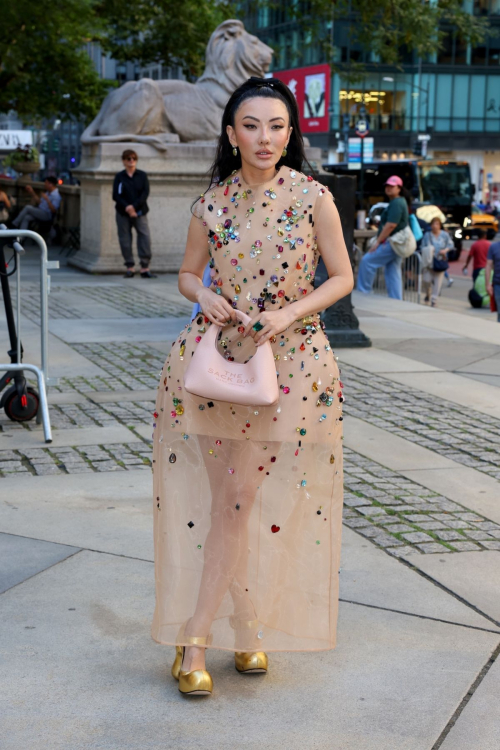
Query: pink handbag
x=211, y=376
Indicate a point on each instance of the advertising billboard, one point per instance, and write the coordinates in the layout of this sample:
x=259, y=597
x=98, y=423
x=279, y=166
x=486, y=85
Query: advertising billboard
x=311, y=88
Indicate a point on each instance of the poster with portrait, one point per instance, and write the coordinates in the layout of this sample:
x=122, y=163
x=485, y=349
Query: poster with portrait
x=311, y=88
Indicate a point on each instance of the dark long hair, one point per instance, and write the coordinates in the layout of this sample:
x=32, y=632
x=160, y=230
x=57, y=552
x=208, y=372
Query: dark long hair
x=405, y=193
x=271, y=88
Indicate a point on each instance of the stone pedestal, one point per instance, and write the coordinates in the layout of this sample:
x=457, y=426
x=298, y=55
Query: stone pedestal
x=176, y=176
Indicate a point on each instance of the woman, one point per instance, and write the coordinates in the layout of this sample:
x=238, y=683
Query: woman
x=393, y=219
x=248, y=500
x=435, y=247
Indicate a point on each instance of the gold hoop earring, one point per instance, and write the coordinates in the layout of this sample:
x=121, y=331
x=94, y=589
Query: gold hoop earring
x=284, y=152
x=235, y=150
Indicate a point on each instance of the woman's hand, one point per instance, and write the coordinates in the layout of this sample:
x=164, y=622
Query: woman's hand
x=274, y=322
x=215, y=307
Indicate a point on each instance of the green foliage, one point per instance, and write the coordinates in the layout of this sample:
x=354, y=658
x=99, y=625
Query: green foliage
x=154, y=31
x=384, y=27
x=44, y=67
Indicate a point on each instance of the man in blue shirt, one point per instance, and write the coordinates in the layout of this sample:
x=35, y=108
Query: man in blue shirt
x=493, y=264
x=46, y=205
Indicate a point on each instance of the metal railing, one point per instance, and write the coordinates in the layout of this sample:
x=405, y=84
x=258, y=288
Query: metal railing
x=41, y=373
x=411, y=272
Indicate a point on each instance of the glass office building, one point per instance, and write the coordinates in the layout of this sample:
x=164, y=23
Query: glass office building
x=453, y=95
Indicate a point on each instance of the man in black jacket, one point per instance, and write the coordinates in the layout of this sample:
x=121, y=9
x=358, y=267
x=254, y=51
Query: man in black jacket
x=130, y=193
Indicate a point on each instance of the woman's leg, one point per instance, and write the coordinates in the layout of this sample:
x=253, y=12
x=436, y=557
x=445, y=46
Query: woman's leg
x=393, y=278
x=226, y=546
x=437, y=281
x=369, y=264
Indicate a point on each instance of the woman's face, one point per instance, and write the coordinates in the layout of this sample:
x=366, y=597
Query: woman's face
x=392, y=191
x=435, y=226
x=261, y=131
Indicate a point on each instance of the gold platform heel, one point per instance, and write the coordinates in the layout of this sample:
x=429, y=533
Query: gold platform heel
x=198, y=681
x=248, y=662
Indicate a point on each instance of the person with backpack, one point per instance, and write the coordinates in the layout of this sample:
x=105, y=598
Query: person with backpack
x=435, y=247
x=394, y=242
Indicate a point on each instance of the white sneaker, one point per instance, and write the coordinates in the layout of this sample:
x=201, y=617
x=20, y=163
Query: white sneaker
x=450, y=282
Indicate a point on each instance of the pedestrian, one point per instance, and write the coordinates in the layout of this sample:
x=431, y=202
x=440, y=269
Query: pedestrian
x=46, y=205
x=437, y=242
x=130, y=193
x=393, y=219
x=247, y=490
x=493, y=266
x=477, y=254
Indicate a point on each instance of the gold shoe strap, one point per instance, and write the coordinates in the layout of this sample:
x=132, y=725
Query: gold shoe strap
x=242, y=624
x=195, y=641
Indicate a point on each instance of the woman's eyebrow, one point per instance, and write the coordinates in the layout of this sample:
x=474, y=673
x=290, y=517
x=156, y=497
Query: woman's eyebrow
x=257, y=119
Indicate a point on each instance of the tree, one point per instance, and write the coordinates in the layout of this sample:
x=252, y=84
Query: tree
x=44, y=67
x=385, y=27
x=161, y=31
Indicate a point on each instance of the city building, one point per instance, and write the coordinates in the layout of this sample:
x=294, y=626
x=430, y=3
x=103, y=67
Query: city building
x=453, y=96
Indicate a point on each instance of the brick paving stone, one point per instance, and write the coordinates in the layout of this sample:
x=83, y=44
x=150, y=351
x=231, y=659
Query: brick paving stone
x=479, y=536
x=486, y=525
x=494, y=533
x=432, y=547
x=386, y=540
x=491, y=545
x=431, y=525
x=354, y=502
x=466, y=546
x=356, y=523
x=417, y=536
x=369, y=531
x=399, y=528
x=399, y=410
x=371, y=510
x=448, y=536
x=402, y=551
x=415, y=517
x=43, y=470
x=458, y=524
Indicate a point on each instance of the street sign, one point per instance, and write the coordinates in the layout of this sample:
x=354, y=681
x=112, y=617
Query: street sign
x=354, y=153
x=362, y=128
x=368, y=150
x=11, y=139
x=423, y=137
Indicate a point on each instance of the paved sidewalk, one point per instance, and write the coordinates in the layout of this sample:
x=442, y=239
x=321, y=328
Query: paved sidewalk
x=419, y=630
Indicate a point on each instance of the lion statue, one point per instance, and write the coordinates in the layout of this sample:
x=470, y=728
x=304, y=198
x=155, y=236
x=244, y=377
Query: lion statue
x=159, y=112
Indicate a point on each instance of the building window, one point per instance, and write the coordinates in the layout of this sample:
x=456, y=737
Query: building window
x=445, y=54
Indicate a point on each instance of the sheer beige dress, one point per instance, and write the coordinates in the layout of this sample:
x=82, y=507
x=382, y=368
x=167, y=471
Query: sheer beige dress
x=248, y=500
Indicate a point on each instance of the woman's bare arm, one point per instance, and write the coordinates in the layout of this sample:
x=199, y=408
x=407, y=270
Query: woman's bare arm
x=215, y=306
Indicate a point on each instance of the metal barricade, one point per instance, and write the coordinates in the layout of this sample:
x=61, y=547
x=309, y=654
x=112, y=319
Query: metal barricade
x=41, y=373
x=411, y=272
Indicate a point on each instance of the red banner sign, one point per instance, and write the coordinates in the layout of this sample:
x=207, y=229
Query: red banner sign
x=311, y=87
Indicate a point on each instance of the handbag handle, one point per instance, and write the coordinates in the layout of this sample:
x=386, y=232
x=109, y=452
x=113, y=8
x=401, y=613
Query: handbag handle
x=242, y=317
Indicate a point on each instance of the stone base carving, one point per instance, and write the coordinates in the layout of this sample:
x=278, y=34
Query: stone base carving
x=176, y=176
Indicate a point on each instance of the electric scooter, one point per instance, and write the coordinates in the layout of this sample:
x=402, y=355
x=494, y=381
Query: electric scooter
x=20, y=401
